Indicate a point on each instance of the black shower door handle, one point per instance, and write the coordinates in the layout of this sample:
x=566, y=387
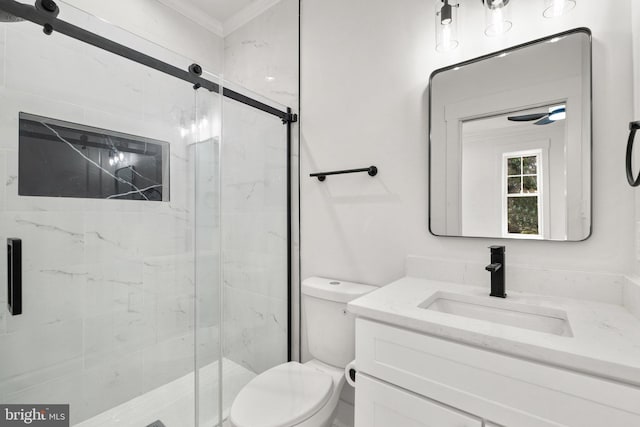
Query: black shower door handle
x=14, y=276
x=633, y=128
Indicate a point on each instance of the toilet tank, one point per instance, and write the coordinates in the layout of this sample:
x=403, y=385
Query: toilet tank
x=330, y=328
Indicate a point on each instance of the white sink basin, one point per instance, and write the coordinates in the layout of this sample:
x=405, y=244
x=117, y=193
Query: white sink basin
x=504, y=312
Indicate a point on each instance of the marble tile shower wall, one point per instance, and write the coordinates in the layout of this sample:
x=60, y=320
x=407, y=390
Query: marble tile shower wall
x=262, y=56
x=254, y=237
x=108, y=284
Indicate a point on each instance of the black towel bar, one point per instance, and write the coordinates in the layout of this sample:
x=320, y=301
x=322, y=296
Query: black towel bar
x=371, y=170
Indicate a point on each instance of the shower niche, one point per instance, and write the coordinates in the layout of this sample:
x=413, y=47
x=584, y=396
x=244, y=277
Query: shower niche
x=64, y=159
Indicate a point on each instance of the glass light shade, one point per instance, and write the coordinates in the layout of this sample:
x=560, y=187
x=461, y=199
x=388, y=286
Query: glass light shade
x=555, y=8
x=497, y=17
x=446, y=23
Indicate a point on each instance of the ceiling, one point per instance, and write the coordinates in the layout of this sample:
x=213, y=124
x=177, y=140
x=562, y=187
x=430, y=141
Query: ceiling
x=220, y=9
x=220, y=16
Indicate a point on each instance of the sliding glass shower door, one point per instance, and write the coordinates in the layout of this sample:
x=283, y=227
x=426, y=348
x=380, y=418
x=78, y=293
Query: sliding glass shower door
x=109, y=174
x=242, y=252
x=148, y=232
x=255, y=242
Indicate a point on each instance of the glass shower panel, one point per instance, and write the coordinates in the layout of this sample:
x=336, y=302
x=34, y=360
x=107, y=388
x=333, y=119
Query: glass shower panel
x=254, y=241
x=109, y=320
x=205, y=154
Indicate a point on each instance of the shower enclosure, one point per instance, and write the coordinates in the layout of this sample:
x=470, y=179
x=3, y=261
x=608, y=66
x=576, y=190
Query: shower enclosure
x=151, y=205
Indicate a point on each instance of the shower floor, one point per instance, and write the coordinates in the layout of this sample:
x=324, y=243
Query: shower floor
x=173, y=403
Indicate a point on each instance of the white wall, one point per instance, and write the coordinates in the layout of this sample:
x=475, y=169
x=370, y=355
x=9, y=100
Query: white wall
x=635, y=24
x=364, y=72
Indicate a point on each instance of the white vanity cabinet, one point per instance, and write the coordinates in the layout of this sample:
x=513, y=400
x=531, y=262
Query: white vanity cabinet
x=382, y=405
x=411, y=379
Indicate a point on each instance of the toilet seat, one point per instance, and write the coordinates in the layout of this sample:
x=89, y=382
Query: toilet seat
x=283, y=396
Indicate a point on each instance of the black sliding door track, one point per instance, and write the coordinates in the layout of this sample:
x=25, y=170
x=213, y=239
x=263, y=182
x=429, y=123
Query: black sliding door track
x=50, y=23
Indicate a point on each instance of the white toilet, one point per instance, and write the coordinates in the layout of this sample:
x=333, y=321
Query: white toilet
x=306, y=395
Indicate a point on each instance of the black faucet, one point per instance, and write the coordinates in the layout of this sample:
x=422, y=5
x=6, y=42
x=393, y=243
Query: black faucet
x=497, y=271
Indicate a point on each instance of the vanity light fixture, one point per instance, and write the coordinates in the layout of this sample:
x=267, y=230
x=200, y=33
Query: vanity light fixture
x=555, y=8
x=497, y=17
x=446, y=25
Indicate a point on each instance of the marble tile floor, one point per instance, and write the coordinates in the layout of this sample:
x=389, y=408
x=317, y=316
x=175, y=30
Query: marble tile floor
x=173, y=403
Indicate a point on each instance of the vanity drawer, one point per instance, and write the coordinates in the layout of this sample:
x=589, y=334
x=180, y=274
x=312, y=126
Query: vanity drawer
x=507, y=390
x=382, y=405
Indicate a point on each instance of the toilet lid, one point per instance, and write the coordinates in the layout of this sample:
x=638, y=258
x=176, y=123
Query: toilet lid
x=283, y=396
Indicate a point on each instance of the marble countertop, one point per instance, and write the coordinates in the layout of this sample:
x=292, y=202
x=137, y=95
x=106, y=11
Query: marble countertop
x=605, y=341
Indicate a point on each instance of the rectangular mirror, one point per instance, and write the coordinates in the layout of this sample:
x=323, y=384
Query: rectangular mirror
x=510, y=143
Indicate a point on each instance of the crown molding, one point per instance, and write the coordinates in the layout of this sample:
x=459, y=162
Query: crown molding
x=246, y=15
x=221, y=29
x=196, y=15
